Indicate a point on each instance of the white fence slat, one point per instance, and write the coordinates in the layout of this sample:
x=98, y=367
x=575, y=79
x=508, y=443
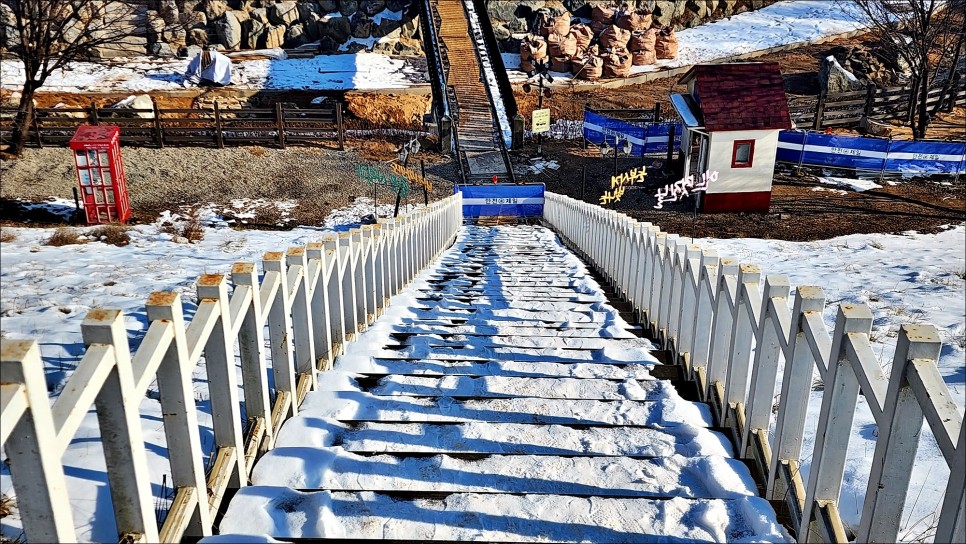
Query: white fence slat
x=279, y=327
x=222, y=376
x=899, y=428
x=721, y=327
x=79, y=393
x=35, y=467
x=358, y=246
x=347, y=263
x=704, y=313
x=180, y=415
x=120, y=424
x=13, y=405
x=743, y=326
x=767, y=354
x=952, y=517
x=148, y=357
x=302, y=327
x=940, y=412
x=835, y=419
x=319, y=305
x=369, y=269
x=796, y=386
x=251, y=348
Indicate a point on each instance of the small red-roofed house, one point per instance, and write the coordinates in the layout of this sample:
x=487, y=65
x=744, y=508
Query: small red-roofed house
x=732, y=114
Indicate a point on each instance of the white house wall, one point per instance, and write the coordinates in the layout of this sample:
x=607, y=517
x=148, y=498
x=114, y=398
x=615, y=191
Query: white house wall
x=742, y=180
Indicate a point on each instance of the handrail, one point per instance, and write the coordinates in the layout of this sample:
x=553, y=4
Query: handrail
x=436, y=72
x=312, y=300
x=502, y=80
x=730, y=333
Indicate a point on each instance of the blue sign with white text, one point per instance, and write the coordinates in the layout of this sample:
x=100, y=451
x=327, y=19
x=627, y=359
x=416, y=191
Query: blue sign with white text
x=646, y=138
x=874, y=154
x=502, y=200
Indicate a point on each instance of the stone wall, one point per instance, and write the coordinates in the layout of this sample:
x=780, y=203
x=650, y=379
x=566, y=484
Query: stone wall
x=181, y=27
x=512, y=19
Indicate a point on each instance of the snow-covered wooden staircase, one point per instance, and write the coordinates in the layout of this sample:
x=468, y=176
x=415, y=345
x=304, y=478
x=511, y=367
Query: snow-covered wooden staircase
x=500, y=398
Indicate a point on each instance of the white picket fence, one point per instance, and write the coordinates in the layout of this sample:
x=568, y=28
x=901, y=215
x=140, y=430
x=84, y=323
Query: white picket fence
x=311, y=300
x=730, y=333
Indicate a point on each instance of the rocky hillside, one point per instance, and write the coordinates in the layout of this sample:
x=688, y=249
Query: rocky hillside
x=513, y=19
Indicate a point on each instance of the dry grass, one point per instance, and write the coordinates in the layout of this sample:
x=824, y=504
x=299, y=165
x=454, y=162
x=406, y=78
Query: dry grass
x=7, y=236
x=6, y=505
x=114, y=234
x=190, y=230
x=65, y=236
x=256, y=151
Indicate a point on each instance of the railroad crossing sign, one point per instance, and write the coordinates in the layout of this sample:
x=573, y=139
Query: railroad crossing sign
x=541, y=121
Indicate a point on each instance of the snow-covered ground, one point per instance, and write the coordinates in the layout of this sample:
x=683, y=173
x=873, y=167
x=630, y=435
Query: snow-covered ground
x=46, y=291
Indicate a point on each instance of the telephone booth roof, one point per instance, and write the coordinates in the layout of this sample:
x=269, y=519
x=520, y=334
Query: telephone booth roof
x=91, y=136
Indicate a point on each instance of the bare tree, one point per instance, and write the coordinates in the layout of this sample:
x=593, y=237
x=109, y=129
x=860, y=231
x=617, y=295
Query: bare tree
x=927, y=35
x=47, y=35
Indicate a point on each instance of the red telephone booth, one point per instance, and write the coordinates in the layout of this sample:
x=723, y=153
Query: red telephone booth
x=100, y=173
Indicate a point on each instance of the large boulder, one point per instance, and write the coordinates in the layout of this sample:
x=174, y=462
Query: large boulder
x=361, y=25
x=228, y=30
x=193, y=19
x=155, y=26
x=337, y=29
x=214, y=9
x=137, y=102
x=259, y=14
x=169, y=11
x=348, y=7
x=295, y=36
x=835, y=79
x=253, y=31
x=283, y=13
x=387, y=27
x=308, y=10
x=274, y=36
x=328, y=6
x=397, y=5
x=372, y=7
x=163, y=50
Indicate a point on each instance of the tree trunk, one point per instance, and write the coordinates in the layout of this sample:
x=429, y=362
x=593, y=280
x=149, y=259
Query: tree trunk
x=911, y=108
x=922, y=121
x=952, y=77
x=25, y=118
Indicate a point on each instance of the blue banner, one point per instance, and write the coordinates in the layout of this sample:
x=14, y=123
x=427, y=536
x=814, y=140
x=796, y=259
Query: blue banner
x=871, y=153
x=648, y=138
x=502, y=200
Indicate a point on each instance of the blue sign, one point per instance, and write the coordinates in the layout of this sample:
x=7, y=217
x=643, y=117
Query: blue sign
x=502, y=200
x=872, y=153
x=647, y=138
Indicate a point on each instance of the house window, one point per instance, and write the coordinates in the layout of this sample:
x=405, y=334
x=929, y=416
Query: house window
x=744, y=154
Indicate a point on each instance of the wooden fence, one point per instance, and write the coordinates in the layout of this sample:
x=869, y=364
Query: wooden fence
x=841, y=109
x=312, y=300
x=729, y=334
x=157, y=127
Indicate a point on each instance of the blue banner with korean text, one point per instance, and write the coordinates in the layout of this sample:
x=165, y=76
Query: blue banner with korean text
x=874, y=154
x=646, y=138
x=502, y=200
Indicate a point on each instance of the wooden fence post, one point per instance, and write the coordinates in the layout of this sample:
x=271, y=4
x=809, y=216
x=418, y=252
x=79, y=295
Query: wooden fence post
x=158, y=125
x=93, y=115
x=819, y=111
x=120, y=424
x=280, y=334
x=302, y=327
x=219, y=132
x=339, y=125
x=36, y=123
x=315, y=251
x=280, y=124
x=223, y=382
x=869, y=101
x=179, y=412
x=251, y=350
x=35, y=466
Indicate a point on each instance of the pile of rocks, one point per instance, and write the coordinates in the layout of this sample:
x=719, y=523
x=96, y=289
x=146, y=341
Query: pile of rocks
x=869, y=65
x=615, y=40
x=512, y=19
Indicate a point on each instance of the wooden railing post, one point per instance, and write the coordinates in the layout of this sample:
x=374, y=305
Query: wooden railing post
x=280, y=335
x=223, y=383
x=93, y=114
x=319, y=303
x=158, y=125
x=335, y=298
x=35, y=466
x=796, y=384
x=302, y=317
x=219, y=129
x=251, y=351
x=347, y=262
x=819, y=111
x=340, y=126
x=280, y=124
x=899, y=433
x=835, y=419
x=180, y=414
x=747, y=301
x=118, y=418
x=721, y=327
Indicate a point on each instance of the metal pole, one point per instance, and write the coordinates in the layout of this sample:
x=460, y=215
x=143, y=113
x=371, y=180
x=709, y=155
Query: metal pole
x=398, y=198
x=540, y=107
x=583, y=182
x=617, y=143
x=422, y=170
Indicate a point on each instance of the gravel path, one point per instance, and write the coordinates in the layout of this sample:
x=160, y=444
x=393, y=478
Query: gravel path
x=175, y=177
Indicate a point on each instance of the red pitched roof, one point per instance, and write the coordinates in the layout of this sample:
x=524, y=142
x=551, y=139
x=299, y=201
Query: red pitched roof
x=740, y=96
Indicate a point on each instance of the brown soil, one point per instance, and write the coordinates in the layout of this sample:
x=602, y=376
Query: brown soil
x=402, y=111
